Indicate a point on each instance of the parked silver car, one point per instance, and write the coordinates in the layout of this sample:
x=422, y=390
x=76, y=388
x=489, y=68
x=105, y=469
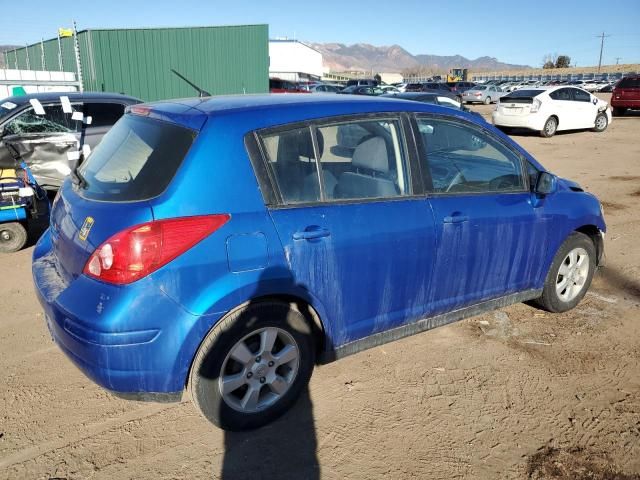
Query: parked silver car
x=483, y=94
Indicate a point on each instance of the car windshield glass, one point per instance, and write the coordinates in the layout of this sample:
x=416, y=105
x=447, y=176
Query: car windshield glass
x=135, y=160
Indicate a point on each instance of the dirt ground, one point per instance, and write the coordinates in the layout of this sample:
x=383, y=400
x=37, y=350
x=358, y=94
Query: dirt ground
x=512, y=394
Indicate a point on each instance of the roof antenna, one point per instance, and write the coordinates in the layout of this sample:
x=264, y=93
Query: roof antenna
x=201, y=93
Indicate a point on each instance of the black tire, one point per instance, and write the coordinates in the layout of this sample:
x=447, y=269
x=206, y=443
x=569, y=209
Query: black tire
x=210, y=358
x=506, y=130
x=601, y=123
x=550, y=300
x=487, y=101
x=619, y=111
x=13, y=236
x=550, y=127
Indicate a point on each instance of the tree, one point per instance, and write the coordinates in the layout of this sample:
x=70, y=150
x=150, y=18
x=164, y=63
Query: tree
x=549, y=60
x=563, y=61
x=549, y=64
x=377, y=78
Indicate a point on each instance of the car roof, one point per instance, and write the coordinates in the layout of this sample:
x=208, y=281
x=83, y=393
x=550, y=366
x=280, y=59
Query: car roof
x=278, y=109
x=73, y=96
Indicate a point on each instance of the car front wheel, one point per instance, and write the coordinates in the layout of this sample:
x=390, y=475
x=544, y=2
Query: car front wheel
x=570, y=274
x=253, y=365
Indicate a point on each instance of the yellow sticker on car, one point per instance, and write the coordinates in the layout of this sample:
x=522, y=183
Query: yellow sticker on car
x=86, y=228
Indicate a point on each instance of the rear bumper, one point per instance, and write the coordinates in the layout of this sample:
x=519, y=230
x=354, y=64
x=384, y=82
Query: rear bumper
x=529, y=121
x=133, y=341
x=624, y=102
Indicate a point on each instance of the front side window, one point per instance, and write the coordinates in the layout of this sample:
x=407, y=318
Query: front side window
x=461, y=158
x=54, y=120
x=103, y=114
x=581, y=95
x=360, y=159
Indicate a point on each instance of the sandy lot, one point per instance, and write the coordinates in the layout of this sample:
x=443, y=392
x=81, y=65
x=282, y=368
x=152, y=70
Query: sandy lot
x=513, y=394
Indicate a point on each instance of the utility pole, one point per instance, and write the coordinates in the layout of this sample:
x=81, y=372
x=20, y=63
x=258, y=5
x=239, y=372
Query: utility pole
x=76, y=49
x=602, y=37
x=618, y=60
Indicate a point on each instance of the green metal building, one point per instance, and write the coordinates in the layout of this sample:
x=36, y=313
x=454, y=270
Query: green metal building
x=138, y=62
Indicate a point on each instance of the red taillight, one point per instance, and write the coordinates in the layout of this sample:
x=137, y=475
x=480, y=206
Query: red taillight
x=139, y=250
x=140, y=110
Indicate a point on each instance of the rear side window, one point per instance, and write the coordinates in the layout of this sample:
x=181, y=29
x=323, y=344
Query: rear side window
x=103, y=114
x=362, y=159
x=135, y=160
x=561, y=94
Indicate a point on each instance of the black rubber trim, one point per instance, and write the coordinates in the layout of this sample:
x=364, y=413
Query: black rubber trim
x=157, y=397
x=381, y=338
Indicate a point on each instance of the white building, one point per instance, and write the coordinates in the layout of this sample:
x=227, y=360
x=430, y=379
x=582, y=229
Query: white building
x=294, y=60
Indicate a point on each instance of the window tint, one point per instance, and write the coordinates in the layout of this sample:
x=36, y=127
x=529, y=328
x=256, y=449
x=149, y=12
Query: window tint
x=135, y=160
x=462, y=158
x=581, y=95
x=363, y=159
x=103, y=114
x=292, y=162
x=53, y=121
x=561, y=94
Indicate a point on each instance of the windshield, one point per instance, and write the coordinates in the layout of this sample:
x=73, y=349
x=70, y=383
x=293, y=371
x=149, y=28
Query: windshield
x=135, y=160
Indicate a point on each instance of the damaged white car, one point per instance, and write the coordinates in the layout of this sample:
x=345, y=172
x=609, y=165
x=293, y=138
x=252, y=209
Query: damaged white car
x=549, y=110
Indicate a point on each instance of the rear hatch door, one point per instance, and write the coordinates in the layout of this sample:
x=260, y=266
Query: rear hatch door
x=110, y=192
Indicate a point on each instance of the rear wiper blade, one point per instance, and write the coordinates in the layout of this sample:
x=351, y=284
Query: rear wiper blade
x=78, y=179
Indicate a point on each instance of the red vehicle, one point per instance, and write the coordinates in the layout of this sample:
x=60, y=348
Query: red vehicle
x=277, y=85
x=626, y=95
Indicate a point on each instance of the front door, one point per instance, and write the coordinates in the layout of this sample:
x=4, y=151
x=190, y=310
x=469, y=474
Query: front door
x=490, y=238
x=354, y=235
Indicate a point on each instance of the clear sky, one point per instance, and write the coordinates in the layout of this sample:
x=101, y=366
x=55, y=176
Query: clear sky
x=512, y=31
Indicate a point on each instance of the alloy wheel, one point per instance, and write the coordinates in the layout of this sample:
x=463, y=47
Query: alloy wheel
x=259, y=369
x=572, y=274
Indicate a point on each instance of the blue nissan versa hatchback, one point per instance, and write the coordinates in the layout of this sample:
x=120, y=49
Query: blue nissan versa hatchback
x=226, y=245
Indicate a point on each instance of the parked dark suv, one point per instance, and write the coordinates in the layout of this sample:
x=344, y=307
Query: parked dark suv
x=52, y=130
x=626, y=95
x=459, y=87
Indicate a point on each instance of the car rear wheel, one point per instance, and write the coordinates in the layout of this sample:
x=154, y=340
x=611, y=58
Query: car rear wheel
x=550, y=127
x=487, y=101
x=619, y=111
x=601, y=123
x=13, y=236
x=253, y=365
x=570, y=274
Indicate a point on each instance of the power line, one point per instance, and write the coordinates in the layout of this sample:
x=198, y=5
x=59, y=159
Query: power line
x=602, y=37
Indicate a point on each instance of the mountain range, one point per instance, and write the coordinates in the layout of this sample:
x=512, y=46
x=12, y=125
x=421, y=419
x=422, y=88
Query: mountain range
x=365, y=57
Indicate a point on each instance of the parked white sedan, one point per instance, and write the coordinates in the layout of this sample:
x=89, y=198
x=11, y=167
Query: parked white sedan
x=551, y=109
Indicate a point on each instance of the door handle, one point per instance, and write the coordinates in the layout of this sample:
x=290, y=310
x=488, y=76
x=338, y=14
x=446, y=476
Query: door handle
x=456, y=218
x=311, y=233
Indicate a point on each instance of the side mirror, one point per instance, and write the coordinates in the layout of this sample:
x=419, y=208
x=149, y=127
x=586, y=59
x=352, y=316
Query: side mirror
x=547, y=183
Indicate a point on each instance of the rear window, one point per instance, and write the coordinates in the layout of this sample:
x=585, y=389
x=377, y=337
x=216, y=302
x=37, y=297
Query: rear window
x=136, y=160
x=524, y=93
x=629, y=82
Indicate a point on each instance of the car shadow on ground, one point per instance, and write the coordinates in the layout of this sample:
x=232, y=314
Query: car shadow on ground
x=284, y=449
x=619, y=281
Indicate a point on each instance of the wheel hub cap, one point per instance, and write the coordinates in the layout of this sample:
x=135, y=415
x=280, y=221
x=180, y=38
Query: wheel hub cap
x=572, y=274
x=259, y=370
x=4, y=235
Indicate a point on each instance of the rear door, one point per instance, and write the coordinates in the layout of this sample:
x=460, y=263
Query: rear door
x=354, y=234
x=490, y=240
x=564, y=108
x=136, y=162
